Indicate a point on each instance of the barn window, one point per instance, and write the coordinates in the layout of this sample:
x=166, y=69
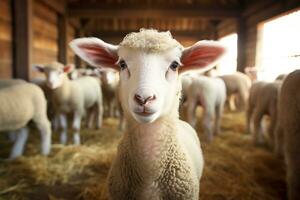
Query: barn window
x=279, y=49
x=228, y=63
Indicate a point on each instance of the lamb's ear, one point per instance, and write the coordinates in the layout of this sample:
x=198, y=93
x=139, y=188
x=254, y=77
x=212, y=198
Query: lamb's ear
x=39, y=68
x=201, y=56
x=69, y=68
x=96, y=52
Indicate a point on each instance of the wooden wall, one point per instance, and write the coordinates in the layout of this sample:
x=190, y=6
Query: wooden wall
x=5, y=39
x=70, y=37
x=227, y=27
x=45, y=35
x=253, y=18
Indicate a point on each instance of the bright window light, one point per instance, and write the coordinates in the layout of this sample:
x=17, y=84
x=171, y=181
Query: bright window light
x=280, y=46
x=228, y=63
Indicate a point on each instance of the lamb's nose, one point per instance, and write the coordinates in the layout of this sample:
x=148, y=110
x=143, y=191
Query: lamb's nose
x=143, y=100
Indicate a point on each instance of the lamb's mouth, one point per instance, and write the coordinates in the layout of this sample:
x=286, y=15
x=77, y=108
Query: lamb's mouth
x=144, y=113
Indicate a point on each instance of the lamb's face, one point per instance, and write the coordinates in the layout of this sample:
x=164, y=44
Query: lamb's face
x=148, y=62
x=55, y=74
x=149, y=82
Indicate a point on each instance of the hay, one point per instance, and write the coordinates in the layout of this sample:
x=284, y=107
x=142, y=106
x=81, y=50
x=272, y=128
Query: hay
x=234, y=167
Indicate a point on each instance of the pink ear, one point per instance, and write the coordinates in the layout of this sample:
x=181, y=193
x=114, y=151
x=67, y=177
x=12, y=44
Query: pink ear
x=96, y=52
x=202, y=56
x=69, y=68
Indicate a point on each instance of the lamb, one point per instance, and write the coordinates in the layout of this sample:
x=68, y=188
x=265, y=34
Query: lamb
x=21, y=102
x=237, y=84
x=159, y=156
x=281, y=77
x=73, y=96
x=289, y=104
x=263, y=101
x=110, y=82
x=186, y=82
x=210, y=93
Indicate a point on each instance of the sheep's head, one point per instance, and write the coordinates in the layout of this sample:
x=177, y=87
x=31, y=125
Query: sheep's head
x=149, y=63
x=55, y=73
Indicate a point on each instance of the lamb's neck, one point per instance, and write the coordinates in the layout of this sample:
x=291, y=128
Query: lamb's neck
x=63, y=91
x=151, y=141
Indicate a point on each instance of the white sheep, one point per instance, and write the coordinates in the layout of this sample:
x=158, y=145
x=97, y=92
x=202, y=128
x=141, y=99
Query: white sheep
x=73, y=96
x=110, y=83
x=210, y=93
x=237, y=85
x=20, y=103
x=186, y=81
x=262, y=101
x=159, y=156
x=289, y=110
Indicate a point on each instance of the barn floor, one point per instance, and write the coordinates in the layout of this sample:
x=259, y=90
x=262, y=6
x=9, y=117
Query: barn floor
x=234, y=167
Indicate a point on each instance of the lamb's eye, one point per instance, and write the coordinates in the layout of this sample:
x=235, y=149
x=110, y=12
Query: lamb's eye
x=174, y=65
x=122, y=64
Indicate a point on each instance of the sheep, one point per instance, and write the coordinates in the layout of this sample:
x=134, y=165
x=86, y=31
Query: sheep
x=159, y=156
x=10, y=82
x=186, y=82
x=263, y=101
x=110, y=82
x=20, y=103
x=12, y=135
x=237, y=84
x=289, y=104
x=280, y=77
x=73, y=96
x=76, y=73
x=210, y=93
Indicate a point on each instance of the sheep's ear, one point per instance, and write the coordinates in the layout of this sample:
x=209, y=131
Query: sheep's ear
x=69, y=68
x=38, y=68
x=201, y=57
x=96, y=52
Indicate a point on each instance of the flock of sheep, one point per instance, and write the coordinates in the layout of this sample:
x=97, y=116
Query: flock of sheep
x=159, y=156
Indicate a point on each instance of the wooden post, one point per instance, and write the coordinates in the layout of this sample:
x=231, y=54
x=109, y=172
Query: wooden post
x=241, y=44
x=62, y=38
x=78, y=63
x=22, y=38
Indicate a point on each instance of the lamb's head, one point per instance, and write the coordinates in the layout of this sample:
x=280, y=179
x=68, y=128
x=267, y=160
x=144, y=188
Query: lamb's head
x=149, y=63
x=55, y=73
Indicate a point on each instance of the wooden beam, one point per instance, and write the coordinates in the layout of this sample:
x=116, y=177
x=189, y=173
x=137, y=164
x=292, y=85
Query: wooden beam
x=241, y=44
x=211, y=13
x=62, y=38
x=123, y=33
x=78, y=61
x=22, y=34
x=256, y=7
x=58, y=6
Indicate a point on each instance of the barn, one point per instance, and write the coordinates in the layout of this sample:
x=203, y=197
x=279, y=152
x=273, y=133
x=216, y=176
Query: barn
x=239, y=89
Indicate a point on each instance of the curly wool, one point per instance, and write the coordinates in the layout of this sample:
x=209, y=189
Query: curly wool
x=150, y=40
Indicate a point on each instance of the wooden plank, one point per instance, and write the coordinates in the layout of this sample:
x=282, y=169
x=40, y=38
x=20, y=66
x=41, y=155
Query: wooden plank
x=5, y=49
x=57, y=5
x=5, y=10
x=45, y=13
x=211, y=13
x=5, y=31
x=256, y=7
x=22, y=17
x=123, y=33
x=5, y=70
x=44, y=28
x=62, y=38
x=45, y=43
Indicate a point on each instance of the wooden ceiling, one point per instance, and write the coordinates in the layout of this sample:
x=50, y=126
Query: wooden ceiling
x=186, y=18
